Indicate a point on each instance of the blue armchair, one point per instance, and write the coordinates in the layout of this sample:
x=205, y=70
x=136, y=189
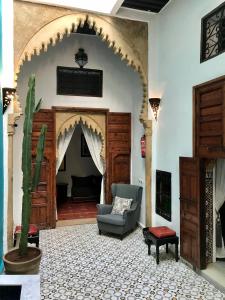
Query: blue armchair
x=120, y=224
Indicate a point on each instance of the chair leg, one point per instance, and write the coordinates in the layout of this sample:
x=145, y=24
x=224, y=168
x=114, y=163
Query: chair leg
x=99, y=231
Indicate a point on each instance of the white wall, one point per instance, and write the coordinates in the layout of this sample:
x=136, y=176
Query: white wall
x=174, y=68
x=75, y=164
x=122, y=92
x=7, y=81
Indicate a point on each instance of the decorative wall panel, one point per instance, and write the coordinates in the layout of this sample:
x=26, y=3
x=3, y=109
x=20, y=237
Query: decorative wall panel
x=209, y=214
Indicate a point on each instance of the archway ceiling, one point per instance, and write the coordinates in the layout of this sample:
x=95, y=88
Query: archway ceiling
x=33, y=34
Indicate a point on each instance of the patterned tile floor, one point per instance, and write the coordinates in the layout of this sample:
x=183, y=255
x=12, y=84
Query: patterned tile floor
x=79, y=264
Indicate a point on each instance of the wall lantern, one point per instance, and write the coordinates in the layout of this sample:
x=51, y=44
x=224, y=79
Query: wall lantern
x=81, y=58
x=8, y=95
x=155, y=102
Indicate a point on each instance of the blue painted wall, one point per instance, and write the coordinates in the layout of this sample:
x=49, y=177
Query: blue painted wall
x=1, y=148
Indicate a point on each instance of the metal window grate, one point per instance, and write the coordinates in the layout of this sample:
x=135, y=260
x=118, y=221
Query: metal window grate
x=213, y=33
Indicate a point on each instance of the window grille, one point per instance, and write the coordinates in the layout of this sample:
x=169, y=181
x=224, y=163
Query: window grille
x=213, y=33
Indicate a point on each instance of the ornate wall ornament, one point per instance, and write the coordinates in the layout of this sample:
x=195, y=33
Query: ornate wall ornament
x=96, y=122
x=128, y=39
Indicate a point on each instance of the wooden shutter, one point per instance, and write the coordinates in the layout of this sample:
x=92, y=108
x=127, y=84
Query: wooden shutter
x=118, y=150
x=43, y=200
x=192, y=232
x=209, y=119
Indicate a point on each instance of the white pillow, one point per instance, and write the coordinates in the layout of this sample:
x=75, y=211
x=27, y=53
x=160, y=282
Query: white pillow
x=120, y=205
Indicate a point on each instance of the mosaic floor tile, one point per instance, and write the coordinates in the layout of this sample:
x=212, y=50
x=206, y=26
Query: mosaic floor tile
x=78, y=263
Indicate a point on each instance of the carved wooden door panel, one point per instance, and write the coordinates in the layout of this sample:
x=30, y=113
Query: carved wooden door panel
x=209, y=119
x=118, y=150
x=43, y=199
x=192, y=212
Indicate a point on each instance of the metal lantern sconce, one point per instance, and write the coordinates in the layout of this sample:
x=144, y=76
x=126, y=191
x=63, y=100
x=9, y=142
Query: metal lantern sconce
x=155, y=102
x=81, y=58
x=8, y=95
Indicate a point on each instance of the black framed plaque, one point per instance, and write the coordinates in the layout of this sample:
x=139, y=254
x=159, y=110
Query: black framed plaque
x=163, y=194
x=79, y=82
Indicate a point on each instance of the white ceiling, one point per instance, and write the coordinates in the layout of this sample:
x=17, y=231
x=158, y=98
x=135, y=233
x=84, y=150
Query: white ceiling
x=110, y=7
x=100, y=6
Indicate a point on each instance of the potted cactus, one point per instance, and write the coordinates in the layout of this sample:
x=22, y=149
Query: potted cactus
x=26, y=260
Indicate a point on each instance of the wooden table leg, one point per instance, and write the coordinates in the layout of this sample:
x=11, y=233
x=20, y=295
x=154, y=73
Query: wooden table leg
x=176, y=251
x=157, y=254
x=167, y=249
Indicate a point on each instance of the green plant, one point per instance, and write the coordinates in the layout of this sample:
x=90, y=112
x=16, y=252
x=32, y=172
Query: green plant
x=30, y=179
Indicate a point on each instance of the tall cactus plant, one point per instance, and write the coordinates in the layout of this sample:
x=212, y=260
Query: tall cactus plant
x=30, y=179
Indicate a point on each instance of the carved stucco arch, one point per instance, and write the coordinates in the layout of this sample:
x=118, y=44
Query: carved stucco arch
x=55, y=30
x=128, y=39
x=87, y=120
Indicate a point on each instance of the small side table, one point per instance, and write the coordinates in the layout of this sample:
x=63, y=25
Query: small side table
x=152, y=239
x=33, y=234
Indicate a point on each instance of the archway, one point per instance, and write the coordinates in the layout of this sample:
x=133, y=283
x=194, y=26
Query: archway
x=128, y=39
x=68, y=120
x=82, y=184
x=114, y=32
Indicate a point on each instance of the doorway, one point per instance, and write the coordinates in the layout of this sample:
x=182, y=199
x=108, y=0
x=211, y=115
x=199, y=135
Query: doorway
x=78, y=181
x=197, y=180
x=115, y=131
x=215, y=220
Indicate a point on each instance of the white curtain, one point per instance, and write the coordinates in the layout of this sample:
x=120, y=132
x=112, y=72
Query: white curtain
x=62, y=145
x=94, y=143
x=219, y=200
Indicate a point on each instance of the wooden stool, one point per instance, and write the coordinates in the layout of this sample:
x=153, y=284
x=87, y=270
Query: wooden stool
x=159, y=236
x=33, y=234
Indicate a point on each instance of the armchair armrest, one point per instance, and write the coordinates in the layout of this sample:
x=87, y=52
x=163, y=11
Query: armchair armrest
x=104, y=209
x=129, y=213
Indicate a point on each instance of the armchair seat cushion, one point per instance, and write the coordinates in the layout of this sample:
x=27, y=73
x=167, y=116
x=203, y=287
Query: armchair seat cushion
x=111, y=219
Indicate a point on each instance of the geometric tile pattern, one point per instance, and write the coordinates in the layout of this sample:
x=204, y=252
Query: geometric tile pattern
x=80, y=264
x=209, y=215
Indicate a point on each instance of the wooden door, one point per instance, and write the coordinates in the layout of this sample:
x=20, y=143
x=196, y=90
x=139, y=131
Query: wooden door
x=209, y=119
x=192, y=211
x=118, y=150
x=43, y=200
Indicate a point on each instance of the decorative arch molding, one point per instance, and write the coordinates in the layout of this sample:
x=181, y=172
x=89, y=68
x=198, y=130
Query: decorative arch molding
x=96, y=122
x=128, y=39
x=112, y=31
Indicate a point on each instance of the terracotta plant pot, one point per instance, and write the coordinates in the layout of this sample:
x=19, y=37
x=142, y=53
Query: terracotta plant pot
x=14, y=264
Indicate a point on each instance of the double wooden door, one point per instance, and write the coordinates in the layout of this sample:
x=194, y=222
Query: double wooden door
x=118, y=144
x=43, y=199
x=118, y=150
x=192, y=211
x=209, y=119
x=208, y=143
